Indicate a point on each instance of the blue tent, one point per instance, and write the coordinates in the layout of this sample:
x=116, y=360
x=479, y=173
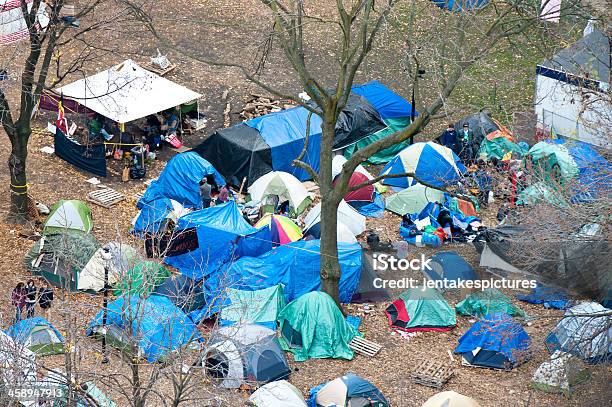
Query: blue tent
x=296, y=266
x=431, y=163
x=551, y=297
x=449, y=266
x=496, y=342
x=461, y=5
x=179, y=180
x=348, y=390
x=38, y=335
x=159, y=326
x=223, y=235
x=153, y=214
x=388, y=104
x=374, y=209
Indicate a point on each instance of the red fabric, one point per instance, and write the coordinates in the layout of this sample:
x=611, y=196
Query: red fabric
x=364, y=194
x=402, y=315
x=466, y=207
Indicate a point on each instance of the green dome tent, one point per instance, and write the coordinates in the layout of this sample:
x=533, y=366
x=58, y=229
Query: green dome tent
x=312, y=326
x=68, y=215
x=142, y=279
x=421, y=309
x=498, y=148
x=413, y=199
x=491, y=300
x=61, y=257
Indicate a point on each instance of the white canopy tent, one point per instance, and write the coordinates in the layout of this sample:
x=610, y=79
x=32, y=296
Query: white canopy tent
x=127, y=92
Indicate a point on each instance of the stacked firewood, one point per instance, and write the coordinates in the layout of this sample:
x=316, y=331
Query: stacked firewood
x=258, y=105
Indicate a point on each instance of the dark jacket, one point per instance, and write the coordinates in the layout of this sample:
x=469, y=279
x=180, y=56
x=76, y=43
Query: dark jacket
x=448, y=139
x=31, y=293
x=45, y=297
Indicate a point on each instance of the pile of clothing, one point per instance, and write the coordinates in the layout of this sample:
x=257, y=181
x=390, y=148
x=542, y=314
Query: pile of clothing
x=440, y=222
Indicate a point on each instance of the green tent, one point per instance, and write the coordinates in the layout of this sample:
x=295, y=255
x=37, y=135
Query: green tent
x=60, y=258
x=498, y=148
x=384, y=156
x=312, y=326
x=548, y=157
x=68, y=215
x=490, y=300
x=542, y=192
x=253, y=307
x=421, y=309
x=142, y=279
x=413, y=199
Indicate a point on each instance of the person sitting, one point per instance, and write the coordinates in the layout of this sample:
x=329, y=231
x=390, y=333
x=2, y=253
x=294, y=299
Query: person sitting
x=152, y=130
x=171, y=123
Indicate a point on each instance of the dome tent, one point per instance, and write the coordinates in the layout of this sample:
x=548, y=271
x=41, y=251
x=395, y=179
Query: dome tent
x=421, y=309
x=282, y=229
x=68, y=215
x=495, y=342
x=285, y=186
x=450, y=399
x=312, y=326
x=431, y=163
x=346, y=214
x=449, y=266
x=280, y=393
x=348, y=390
x=60, y=258
x=17, y=363
x=91, y=277
x=245, y=354
x=583, y=333
x=413, y=199
x=38, y=335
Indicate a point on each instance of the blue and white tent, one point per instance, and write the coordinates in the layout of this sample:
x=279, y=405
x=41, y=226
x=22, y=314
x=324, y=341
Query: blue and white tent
x=158, y=326
x=432, y=163
x=348, y=390
x=155, y=213
x=496, y=342
x=460, y=5
x=179, y=180
x=38, y=335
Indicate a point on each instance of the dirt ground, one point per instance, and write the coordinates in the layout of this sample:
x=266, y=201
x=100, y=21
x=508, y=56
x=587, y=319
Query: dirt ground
x=52, y=179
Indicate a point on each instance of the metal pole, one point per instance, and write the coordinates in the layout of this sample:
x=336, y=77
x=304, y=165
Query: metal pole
x=413, y=112
x=106, y=257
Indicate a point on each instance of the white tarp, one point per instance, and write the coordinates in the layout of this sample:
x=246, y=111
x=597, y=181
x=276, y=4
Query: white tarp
x=352, y=219
x=127, y=92
x=12, y=25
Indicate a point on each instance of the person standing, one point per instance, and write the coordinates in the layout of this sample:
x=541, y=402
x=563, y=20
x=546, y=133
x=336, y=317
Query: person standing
x=30, y=302
x=18, y=299
x=45, y=297
x=224, y=194
x=466, y=142
x=205, y=191
x=449, y=137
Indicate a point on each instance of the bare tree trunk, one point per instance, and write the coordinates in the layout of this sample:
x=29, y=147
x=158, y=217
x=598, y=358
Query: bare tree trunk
x=17, y=170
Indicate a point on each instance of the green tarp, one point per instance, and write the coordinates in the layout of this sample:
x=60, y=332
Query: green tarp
x=312, y=326
x=490, y=300
x=498, y=148
x=142, y=279
x=384, y=156
x=252, y=307
x=427, y=308
x=549, y=156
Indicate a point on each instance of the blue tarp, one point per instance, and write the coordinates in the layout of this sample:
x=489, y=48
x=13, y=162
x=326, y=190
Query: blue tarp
x=498, y=334
x=91, y=158
x=296, y=266
x=157, y=323
x=223, y=235
x=388, y=104
x=285, y=133
x=21, y=330
x=549, y=296
x=450, y=266
x=593, y=170
x=461, y=5
x=152, y=215
x=179, y=180
x=374, y=209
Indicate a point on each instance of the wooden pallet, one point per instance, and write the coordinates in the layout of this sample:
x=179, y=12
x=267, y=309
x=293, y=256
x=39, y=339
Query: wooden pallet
x=159, y=71
x=432, y=374
x=364, y=347
x=106, y=197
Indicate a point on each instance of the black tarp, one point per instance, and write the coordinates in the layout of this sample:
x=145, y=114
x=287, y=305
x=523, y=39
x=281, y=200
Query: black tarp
x=237, y=152
x=357, y=120
x=480, y=124
x=90, y=158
